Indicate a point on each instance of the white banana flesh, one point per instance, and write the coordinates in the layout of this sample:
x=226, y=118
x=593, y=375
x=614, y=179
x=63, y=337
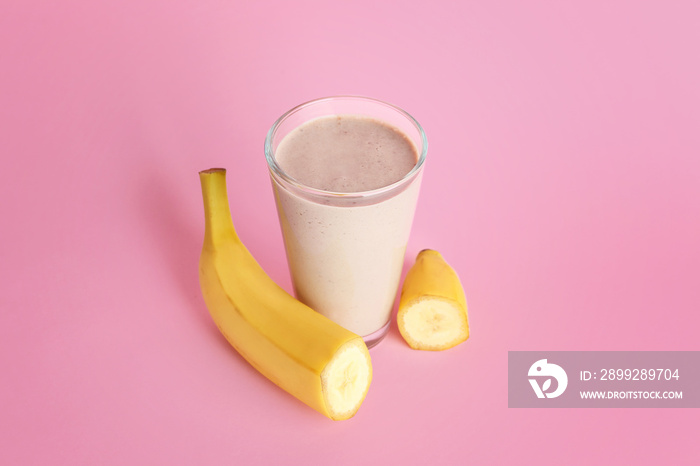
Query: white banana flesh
x=434, y=322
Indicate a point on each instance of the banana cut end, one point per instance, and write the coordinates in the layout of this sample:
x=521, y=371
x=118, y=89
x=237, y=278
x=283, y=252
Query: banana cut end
x=346, y=378
x=212, y=170
x=433, y=323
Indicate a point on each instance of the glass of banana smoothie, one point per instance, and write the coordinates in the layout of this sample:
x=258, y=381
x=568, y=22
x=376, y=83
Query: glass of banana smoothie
x=346, y=172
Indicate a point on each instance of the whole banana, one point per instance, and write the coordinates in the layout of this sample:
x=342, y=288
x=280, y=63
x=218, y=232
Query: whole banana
x=311, y=357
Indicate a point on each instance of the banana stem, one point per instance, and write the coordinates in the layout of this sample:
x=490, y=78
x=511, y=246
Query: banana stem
x=217, y=214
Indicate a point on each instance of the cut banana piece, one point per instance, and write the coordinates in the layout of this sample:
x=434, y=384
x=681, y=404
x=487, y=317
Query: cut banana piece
x=433, y=307
x=308, y=355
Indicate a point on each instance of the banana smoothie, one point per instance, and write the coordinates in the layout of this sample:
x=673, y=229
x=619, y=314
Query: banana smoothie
x=346, y=205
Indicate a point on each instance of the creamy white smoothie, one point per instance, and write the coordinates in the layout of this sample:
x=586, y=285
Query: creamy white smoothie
x=346, y=249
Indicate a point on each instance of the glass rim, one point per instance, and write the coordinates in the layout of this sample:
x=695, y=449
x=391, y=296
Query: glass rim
x=280, y=174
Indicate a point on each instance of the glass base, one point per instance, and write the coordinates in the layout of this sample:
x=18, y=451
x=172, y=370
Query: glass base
x=374, y=338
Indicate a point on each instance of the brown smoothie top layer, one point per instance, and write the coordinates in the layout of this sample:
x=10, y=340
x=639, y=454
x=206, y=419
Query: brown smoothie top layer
x=346, y=154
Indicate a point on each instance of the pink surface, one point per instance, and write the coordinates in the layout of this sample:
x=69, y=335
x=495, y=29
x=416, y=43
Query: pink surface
x=562, y=182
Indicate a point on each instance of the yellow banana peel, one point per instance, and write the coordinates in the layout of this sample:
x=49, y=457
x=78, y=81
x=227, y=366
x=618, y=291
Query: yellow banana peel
x=308, y=355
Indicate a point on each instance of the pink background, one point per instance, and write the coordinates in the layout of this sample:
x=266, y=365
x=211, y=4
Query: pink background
x=562, y=182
